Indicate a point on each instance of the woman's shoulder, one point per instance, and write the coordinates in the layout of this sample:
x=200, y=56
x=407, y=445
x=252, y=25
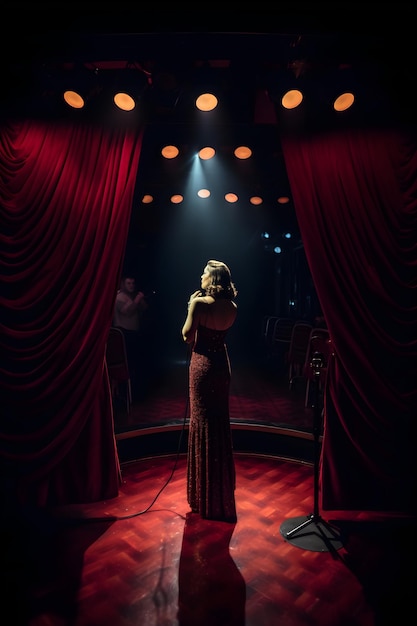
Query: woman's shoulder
x=224, y=308
x=203, y=300
x=215, y=303
x=227, y=303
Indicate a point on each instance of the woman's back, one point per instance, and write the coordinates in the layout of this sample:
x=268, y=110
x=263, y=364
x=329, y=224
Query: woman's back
x=218, y=314
x=210, y=464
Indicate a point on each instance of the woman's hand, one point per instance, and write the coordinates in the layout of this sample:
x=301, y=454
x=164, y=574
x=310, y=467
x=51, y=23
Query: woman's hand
x=196, y=294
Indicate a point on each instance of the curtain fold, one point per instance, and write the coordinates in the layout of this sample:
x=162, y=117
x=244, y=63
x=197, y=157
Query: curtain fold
x=66, y=193
x=355, y=197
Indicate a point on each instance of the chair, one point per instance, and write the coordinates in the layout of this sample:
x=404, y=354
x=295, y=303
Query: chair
x=297, y=351
x=281, y=335
x=268, y=329
x=319, y=342
x=117, y=366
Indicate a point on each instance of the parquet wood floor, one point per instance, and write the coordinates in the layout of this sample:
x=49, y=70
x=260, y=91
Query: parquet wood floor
x=143, y=560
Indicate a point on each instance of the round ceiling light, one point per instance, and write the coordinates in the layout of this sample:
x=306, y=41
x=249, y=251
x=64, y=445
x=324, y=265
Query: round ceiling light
x=206, y=153
x=243, y=152
x=206, y=102
x=344, y=101
x=124, y=102
x=292, y=99
x=73, y=99
x=170, y=152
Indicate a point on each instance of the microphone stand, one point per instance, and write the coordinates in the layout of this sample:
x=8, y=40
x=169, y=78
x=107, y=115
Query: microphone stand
x=312, y=532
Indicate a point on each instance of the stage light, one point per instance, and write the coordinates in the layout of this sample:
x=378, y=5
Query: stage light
x=124, y=101
x=342, y=86
x=127, y=86
x=344, y=101
x=243, y=152
x=206, y=153
x=286, y=87
x=79, y=85
x=203, y=193
x=231, y=197
x=170, y=152
x=206, y=102
x=292, y=99
x=74, y=99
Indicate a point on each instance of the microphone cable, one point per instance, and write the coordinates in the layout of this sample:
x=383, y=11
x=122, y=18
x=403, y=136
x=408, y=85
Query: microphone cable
x=117, y=518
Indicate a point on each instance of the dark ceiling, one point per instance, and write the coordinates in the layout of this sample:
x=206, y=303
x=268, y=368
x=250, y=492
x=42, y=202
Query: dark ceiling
x=242, y=55
x=242, y=45
x=239, y=49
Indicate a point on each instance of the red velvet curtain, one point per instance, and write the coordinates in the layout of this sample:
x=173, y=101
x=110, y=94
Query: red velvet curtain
x=355, y=195
x=65, y=199
x=66, y=194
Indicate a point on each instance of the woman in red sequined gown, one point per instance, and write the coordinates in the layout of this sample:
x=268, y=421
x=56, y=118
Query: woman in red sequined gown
x=210, y=463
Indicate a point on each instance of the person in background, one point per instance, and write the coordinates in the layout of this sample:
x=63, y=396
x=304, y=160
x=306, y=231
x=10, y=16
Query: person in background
x=129, y=308
x=210, y=463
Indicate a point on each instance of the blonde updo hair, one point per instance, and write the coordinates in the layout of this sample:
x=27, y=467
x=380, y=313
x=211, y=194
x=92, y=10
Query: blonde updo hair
x=221, y=285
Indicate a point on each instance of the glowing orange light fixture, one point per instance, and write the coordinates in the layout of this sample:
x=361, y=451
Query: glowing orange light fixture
x=124, y=102
x=344, y=101
x=73, y=99
x=292, y=99
x=170, y=152
x=206, y=153
x=243, y=152
x=206, y=102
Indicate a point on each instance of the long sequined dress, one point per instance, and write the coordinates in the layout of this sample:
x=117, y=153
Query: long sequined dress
x=211, y=476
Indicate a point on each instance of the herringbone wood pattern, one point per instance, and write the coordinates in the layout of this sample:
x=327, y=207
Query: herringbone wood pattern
x=113, y=564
